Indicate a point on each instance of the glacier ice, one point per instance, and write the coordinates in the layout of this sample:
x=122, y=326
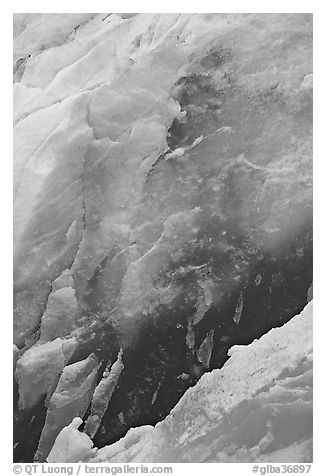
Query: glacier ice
x=71, y=445
x=70, y=399
x=162, y=205
x=102, y=395
x=39, y=367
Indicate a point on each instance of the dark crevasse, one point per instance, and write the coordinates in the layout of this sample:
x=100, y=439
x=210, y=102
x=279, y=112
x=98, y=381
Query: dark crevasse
x=27, y=428
x=274, y=290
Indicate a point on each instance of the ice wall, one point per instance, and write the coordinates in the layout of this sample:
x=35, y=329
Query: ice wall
x=162, y=201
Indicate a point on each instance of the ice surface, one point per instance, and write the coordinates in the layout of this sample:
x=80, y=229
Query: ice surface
x=71, y=445
x=39, y=367
x=115, y=247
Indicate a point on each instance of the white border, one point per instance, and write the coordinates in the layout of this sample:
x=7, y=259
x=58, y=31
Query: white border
x=319, y=195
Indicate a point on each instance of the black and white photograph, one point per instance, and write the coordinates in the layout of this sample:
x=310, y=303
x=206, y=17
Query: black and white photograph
x=162, y=240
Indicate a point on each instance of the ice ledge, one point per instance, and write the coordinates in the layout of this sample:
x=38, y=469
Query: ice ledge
x=258, y=407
